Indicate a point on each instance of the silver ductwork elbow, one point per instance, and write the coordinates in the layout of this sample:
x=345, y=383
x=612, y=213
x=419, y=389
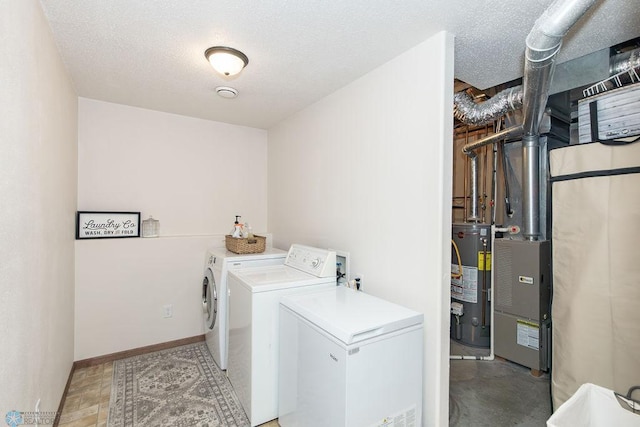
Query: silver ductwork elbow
x=543, y=44
x=471, y=113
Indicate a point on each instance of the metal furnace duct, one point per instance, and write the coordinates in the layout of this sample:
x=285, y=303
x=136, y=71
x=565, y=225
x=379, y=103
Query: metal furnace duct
x=543, y=44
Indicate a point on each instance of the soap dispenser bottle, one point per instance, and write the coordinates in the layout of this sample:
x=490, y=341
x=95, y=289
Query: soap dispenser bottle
x=237, y=228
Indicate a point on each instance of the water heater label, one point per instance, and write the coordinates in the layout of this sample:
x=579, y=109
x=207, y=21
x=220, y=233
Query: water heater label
x=481, y=266
x=406, y=418
x=528, y=334
x=465, y=288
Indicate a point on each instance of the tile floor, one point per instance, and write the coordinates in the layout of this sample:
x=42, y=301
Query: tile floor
x=87, y=401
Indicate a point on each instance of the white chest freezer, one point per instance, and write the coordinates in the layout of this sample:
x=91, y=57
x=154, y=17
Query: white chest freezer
x=349, y=359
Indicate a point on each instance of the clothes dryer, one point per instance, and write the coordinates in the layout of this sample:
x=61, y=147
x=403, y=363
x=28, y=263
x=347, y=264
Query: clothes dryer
x=254, y=297
x=218, y=263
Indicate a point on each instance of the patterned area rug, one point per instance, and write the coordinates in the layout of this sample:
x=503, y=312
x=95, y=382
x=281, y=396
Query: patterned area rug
x=181, y=386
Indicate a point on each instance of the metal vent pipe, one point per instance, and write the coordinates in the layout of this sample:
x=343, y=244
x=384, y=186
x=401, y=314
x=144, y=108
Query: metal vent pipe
x=473, y=215
x=543, y=44
x=512, y=132
x=467, y=111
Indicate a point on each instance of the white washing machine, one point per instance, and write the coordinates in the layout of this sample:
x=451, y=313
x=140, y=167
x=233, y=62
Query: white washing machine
x=218, y=263
x=254, y=298
x=349, y=359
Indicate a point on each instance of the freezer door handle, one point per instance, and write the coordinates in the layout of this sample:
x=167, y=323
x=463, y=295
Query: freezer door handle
x=361, y=336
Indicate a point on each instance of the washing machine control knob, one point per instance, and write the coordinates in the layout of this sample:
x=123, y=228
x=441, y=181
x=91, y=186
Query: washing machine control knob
x=315, y=263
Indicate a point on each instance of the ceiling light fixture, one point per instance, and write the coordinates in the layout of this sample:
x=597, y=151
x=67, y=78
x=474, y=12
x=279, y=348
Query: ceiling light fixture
x=226, y=60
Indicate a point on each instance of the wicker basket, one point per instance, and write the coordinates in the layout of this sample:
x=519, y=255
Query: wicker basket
x=245, y=246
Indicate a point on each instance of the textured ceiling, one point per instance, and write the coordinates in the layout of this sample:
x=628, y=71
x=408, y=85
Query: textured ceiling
x=150, y=53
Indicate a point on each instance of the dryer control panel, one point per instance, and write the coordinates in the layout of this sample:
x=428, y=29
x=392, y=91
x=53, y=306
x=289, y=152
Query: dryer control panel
x=315, y=261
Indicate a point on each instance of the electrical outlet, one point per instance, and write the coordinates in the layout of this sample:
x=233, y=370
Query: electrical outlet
x=167, y=311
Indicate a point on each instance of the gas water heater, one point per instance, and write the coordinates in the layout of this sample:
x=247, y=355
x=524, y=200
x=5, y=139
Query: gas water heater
x=471, y=284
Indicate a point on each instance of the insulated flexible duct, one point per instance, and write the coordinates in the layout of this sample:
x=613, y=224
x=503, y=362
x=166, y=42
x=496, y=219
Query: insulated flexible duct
x=624, y=61
x=468, y=112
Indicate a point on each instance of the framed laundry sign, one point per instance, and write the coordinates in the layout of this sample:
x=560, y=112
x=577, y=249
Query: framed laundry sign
x=107, y=225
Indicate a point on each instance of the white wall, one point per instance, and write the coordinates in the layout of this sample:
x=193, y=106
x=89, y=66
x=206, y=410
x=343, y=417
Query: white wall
x=368, y=170
x=122, y=286
x=38, y=154
x=192, y=175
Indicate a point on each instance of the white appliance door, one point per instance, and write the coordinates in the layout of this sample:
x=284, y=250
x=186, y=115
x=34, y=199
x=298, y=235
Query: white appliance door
x=313, y=372
x=384, y=381
x=215, y=332
x=376, y=381
x=272, y=278
x=209, y=300
x=352, y=316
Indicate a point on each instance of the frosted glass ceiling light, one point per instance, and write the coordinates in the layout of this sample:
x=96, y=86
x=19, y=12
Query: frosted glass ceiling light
x=226, y=60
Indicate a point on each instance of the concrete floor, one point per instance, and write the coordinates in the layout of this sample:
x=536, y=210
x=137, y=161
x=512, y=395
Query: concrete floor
x=495, y=393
